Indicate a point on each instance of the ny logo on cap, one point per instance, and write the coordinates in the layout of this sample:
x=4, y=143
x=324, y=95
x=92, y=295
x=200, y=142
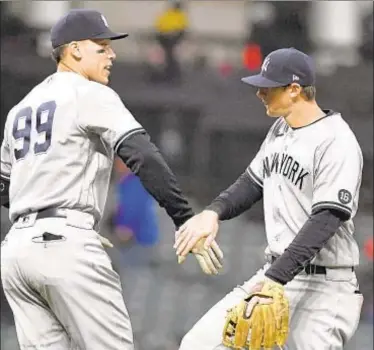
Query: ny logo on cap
x=265, y=64
x=104, y=20
x=295, y=77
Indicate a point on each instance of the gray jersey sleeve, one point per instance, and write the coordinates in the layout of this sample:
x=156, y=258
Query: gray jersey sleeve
x=6, y=164
x=337, y=176
x=102, y=112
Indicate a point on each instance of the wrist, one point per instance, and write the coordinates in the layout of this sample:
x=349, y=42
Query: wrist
x=272, y=279
x=216, y=207
x=211, y=213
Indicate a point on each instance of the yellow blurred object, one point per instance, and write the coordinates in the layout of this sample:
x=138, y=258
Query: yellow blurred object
x=172, y=20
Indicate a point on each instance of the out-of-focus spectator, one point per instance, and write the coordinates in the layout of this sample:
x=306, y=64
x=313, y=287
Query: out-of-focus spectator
x=135, y=217
x=171, y=28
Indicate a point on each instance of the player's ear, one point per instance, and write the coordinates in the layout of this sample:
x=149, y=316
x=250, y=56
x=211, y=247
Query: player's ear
x=295, y=90
x=74, y=50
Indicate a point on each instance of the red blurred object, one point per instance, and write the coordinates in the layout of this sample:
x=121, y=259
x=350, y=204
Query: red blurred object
x=252, y=57
x=369, y=248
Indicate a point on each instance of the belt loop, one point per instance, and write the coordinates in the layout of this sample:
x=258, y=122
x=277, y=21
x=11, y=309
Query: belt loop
x=26, y=220
x=80, y=219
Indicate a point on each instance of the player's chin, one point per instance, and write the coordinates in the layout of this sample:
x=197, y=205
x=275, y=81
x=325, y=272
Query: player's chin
x=104, y=80
x=271, y=112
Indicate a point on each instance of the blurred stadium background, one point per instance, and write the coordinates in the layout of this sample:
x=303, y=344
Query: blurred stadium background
x=207, y=124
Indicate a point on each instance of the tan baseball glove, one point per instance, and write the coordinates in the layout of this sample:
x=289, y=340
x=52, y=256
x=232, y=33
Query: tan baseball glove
x=210, y=260
x=259, y=321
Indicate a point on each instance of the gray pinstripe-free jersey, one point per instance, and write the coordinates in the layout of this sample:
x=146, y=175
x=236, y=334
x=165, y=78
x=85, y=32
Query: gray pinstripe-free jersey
x=59, y=144
x=303, y=170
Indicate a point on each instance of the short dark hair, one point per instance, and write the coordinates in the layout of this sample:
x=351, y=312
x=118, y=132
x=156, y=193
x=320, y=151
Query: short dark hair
x=58, y=53
x=309, y=92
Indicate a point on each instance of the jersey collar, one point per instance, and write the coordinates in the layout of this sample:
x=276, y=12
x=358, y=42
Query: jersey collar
x=328, y=113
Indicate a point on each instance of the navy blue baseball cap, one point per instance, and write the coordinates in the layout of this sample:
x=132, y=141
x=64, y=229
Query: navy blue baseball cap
x=283, y=67
x=82, y=24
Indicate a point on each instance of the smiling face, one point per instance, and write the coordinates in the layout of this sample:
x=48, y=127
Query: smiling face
x=91, y=58
x=280, y=100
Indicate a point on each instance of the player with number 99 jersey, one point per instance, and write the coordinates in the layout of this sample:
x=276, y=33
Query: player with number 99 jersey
x=53, y=162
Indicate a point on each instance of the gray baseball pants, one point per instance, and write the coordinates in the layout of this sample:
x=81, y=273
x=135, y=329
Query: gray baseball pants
x=64, y=293
x=324, y=312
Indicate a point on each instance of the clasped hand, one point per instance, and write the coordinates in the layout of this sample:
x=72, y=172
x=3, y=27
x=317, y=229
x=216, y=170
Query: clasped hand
x=197, y=235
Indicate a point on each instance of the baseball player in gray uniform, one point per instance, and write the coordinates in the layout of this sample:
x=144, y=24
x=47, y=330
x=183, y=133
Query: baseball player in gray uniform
x=56, y=161
x=308, y=174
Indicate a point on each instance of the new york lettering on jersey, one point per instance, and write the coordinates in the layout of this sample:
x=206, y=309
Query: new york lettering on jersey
x=285, y=165
x=282, y=162
x=278, y=157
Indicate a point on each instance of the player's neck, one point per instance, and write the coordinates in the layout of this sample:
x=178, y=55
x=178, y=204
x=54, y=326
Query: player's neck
x=68, y=67
x=304, y=113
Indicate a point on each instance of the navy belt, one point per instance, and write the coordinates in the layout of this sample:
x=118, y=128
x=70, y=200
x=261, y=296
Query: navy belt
x=49, y=213
x=45, y=213
x=311, y=269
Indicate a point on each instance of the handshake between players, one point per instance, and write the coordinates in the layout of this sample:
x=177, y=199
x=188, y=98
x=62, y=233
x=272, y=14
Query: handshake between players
x=197, y=235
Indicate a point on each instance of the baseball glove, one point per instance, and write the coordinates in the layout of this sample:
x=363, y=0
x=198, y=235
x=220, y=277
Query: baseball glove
x=210, y=260
x=259, y=321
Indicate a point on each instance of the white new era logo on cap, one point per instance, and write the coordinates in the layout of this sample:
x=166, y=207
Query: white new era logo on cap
x=295, y=77
x=104, y=20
